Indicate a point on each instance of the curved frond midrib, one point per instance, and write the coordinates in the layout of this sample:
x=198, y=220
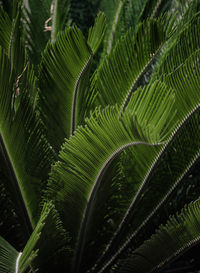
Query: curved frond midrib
x=141, y=189
x=176, y=255
x=91, y=198
x=75, y=93
x=139, y=77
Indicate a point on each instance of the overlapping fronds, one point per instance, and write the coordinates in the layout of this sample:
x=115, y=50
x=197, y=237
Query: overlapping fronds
x=48, y=232
x=19, y=128
x=179, y=234
x=130, y=14
x=119, y=163
x=184, y=45
x=13, y=261
x=63, y=85
x=96, y=33
x=153, y=8
x=122, y=71
x=172, y=162
x=92, y=149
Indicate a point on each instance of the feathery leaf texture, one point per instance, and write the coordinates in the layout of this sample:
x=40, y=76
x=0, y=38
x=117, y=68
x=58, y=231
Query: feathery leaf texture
x=95, y=138
x=170, y=163
x=21, y=129
x=105, y=135
x=179, y=234
x=62, y=72
x=121, y=72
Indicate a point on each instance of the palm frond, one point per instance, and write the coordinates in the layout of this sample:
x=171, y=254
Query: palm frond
x=48, y=232
x=130, y=14
x=96, y=33
x=122, y=71
x=180, y=233
x=12, y=261
x=105, y=135
x=170, y=165
x=19, y=128
x=184, y=45
x=62, y=80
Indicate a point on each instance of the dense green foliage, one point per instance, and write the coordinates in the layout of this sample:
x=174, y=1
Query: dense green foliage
x=99, y=136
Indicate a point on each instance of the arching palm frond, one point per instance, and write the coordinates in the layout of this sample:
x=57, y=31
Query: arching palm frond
x=172, y=162
x=105, y=135
x=180, y=233
x=63, y=88
x=122, y=71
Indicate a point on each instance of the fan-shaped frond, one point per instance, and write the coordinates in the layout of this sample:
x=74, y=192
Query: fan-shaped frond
x=96, y=33
x=47, y=243
x=171, y=163
x=87, y=154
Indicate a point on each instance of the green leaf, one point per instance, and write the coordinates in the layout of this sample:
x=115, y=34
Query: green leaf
x=96, y=33
x=19, y=128
x=168, y=166
x=47, y=242
x=64, y=82
x=12, y=261
x=182, y=47
x=153, y=8
x=122, y=71
x=178, y=235
x=75, y=180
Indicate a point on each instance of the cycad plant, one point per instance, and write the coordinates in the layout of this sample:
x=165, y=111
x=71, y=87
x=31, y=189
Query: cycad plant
x=99, y=136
